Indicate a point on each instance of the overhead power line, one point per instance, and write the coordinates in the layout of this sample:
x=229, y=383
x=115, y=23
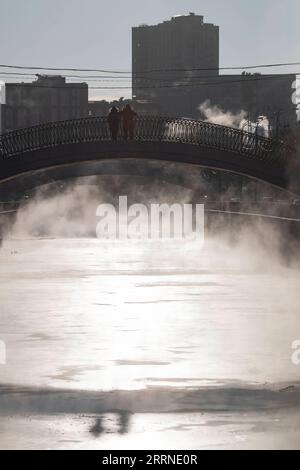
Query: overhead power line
x=109, y=78
x=247, y=67
x=76, y=80
x=244, y=79
x=33, y=75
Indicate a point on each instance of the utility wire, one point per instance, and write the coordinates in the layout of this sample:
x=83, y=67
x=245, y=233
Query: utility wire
x=24, y=74
x=245, y=79
x=76, y=81
x=248, y=67
x=98, y=78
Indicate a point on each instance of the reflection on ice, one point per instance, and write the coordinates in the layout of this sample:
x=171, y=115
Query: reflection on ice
x=116, y=333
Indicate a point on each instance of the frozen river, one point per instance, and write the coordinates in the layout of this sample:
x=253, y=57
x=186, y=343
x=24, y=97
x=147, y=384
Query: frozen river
x=131, y=344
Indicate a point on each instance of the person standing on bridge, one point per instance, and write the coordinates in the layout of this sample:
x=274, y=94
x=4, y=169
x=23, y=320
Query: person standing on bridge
x=128, y=116
x=113, y=119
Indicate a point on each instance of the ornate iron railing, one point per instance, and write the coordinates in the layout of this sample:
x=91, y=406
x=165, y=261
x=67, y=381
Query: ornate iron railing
x=147, y=129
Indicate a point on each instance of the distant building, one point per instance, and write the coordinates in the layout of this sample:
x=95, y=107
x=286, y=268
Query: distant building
x=98, y=108
x=256, y=94
x=47, y=99
x=169, y=52
x=101, y=108
x=146, y=107
x=175, y=64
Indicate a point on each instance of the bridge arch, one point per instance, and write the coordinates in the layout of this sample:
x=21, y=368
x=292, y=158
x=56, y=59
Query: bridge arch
x=59, y=144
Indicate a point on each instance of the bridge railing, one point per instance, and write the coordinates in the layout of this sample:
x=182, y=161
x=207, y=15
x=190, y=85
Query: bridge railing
x=147, y=129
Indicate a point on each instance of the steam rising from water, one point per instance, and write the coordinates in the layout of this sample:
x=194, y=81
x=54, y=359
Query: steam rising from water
x=238, y=120
x=216, y=115
x=252, y=242
x=71, y=212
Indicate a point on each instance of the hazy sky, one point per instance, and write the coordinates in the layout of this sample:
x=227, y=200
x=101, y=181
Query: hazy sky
x=97, y=33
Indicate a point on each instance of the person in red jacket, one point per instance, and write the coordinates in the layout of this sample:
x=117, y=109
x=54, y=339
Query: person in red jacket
x=128, y=116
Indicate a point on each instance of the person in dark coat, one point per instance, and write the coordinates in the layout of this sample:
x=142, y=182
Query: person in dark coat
x=114, y=122
x=128, y=116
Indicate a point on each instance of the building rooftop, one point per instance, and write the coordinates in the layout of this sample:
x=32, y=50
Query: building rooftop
x=176, y=19
x=190, y=15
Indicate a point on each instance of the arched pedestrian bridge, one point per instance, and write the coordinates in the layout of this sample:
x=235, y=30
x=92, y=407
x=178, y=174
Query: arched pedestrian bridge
x=65, y=143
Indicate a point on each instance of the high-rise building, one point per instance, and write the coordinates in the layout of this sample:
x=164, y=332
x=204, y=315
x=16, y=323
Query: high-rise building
x=175, y=65
x=172, y=52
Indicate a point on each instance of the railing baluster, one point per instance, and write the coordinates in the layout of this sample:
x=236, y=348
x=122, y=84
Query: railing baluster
x=147, y=128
